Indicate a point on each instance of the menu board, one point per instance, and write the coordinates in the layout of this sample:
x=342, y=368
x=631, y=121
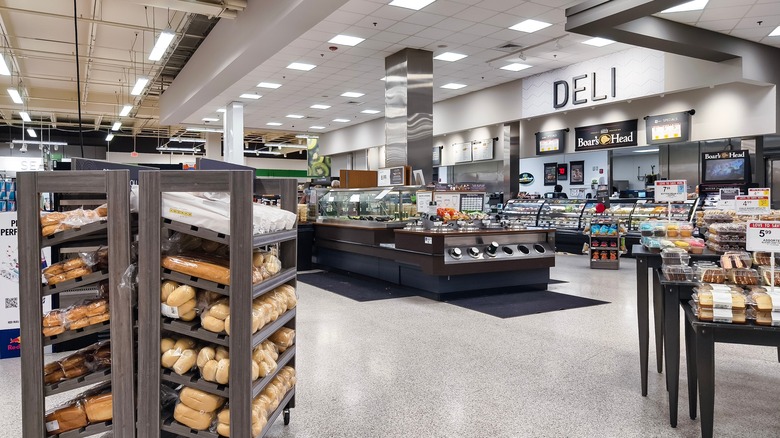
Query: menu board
x=436, y=156
x=461, y=152
x=447, y=200
x=551, y=142
x=482, y=149
x=668, y=128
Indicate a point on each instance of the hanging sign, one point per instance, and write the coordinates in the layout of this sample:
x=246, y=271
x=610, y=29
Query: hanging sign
x=668, y=128
x=608, y=135
x=482, y=149
x=551, y=142
x=671, y=191
x=763, y=236
x=750, y=205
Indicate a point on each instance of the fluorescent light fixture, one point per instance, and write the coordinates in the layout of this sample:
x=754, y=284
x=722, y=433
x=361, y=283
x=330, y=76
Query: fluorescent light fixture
x=4, y=67
x=316, y=127
x=450, y=56
x=352, y=94
x=530, y=26
x=163, y=41
x=411, y=4
x=269, y=85
x=384, y=79
x=210, y=119
x=516, y=67
x=202, y=129
x=192, y=150
x=306, y=136
x=341, y=120
x=301, y=66
x=116, y=126
x=109, y=137
x=320, y=106
x=15, y=96
x=598, y=42
x=644, y=151
x=775, y=32
x=295, y=116
x=346, y=40
x=25, y=116
x=41, y=143
x=125, y=111
x=453, y=86
x=140, y=84
x=273, y=124
x=368, y=111
x=252, y=96
x=221, y=110
x=695, y=5
x=250, y=152
x=31, y=133
x=188, y=140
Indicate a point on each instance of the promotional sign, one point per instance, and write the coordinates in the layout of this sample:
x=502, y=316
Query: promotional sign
x=728, y=198
x=751, y=205
x=608, y=135
x=668, y=128
x=526, y=178
x=318, y=165
x=671, y=191
x=423, y=201
x=563, y=171
x=551, y=142
x=763, y=236
x=437, y=155
x=577, y=173
x=762, y=191
x=725, y=167
x=482, y=149
x=550, y=174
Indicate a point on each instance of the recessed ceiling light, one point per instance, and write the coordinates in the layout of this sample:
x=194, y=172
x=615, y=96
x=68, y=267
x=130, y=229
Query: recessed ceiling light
x=316, y=127
x=210, y=119
x=139, y=86
x=274, y=124
x=295, y=116
x=695, y=5
x=346, y=40
x=516, y=67
x=367, y=111
x=453, y=86
x=352, y=94
x=125, y=111
x=116, y=126
x=221, y=110
x=25, y=116
x=4, y=67
x=320, y=106
x=775, y=32
x=31, y=132
x=598, y=42
x=269, y=85
x=530, y=26
x=450, y=56
x=250, y=96
x=301, y=66
x=341, y=120
x=411, y=4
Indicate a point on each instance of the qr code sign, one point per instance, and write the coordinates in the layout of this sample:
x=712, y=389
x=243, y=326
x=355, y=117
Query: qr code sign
x=11, y=303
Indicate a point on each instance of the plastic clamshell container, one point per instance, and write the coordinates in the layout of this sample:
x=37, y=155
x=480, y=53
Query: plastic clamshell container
x=766, y=275
x=646, y=228
x=678, y=273
x=686, y=230
x=765, y=258
x=710, y=287
x=673, y=229
x=675, y=256
x=744, y=277
x=696, y=246
x=735, y=259
x=728, y=228
x=721, y=315
x=727, y=238
x=706, y=299
x=711, y=274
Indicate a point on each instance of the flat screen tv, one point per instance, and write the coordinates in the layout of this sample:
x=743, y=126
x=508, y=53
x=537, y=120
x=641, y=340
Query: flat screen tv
x=732, y=166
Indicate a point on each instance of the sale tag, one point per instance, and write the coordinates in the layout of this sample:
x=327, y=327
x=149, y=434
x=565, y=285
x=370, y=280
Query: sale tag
x=761, y=191
x=671, y=191
x=729, y=193
x=763, y=236
x=752, y=205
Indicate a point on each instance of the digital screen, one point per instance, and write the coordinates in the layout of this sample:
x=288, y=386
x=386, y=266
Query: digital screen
x=563, y=171
x=549, y=145
x=727, y=169
x=641, y=194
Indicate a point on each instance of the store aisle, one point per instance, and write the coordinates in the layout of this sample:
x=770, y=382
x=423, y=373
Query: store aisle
x=411, y=367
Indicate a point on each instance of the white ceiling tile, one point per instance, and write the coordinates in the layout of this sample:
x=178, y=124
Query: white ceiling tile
x=344, y=17
x=390, y=37
x=497, y=5
x=454, y=24
x=375, y=44
x=460, y=38
x=332, y=27
x=761, y=10
x=719, y=25
x=481, y=29
x=506, y=20
x=750, y=34
x=769, y=23
x=530, y=10
x=392, y=13
x=434, y=33
x=361, y=7
x=406, y=28
x=445, y=7
x=724, y=13
x=478, y=14
x=424, y=18
x=416, y=42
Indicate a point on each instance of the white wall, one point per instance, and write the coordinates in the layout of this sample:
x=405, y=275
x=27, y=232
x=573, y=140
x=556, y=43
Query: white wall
x=447, y=141
x=625, y=167
x=596, y=167
x=257, y=163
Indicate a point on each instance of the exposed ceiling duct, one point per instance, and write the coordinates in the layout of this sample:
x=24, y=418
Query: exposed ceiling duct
x=212, y=8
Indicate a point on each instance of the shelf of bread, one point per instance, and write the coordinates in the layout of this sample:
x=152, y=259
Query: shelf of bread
x=284, y=276
x=278, y=411
x=87, y=279
x=70, y=335
x=87, y=431
x=94, y=378
x=281, y=362
x=89, y=413
x=273, y=327
x=204, y=233
x=74, y=234
x=193, y=329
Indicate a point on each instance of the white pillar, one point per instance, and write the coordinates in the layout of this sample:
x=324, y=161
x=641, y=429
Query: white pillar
x=234, y=133
x=214, y=146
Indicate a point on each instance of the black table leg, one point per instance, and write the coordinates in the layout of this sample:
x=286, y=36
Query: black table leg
x=642, y=319
x=690, y=363
x=672, y=347
x=705, y=364
x=658, y=314
x=778, y=354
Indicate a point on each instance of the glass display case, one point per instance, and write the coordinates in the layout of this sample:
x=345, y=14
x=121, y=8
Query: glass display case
x=525, y=211
x=378, y=204
x=562, y=214
x=643, y=211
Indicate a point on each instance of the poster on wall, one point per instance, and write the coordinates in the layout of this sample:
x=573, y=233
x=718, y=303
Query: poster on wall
x=437, y=155
x=551, y=142
x=550, y=174
x=318, y=165
x=605, y=136
x=461, y=152
x=577, y=173
x=668, y=128
x=482, y=149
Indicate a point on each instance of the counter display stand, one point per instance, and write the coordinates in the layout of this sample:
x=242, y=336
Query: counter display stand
x=242, y=390
x=115, y=185
x=605, y=246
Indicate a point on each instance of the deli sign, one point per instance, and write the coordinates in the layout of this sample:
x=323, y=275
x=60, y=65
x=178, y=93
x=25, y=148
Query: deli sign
x=605, y=136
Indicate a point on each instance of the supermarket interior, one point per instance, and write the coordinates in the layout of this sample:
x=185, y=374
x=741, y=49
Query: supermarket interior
x=577, y=196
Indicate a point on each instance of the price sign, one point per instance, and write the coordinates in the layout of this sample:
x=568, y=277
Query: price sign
x=671, y=191
x=762, y=191
x=763, y=236
x=750, y=205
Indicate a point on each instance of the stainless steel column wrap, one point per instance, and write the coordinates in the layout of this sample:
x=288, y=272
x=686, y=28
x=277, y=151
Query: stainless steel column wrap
x=409, y=110
x=511, y=146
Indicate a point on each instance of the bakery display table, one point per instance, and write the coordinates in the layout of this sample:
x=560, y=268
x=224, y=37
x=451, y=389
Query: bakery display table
x=700, y=339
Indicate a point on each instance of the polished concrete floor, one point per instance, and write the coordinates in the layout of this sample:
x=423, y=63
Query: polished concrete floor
x=411, y=367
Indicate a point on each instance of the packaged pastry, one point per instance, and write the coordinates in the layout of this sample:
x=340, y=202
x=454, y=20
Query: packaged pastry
x=178, y=301
x=678, y=273
x=283, y=338
x=764, y=258
x=721, y=315
x=199, y=400
x=721, y=299
x=646, y=228
x=735, y=259
x=193, y=418
x=59, y=221
x=178, y=355
x=686, y=230
x=92, y=358
x=711, y=274
x=675, y=256
x=766, y=275
x=695, y=246
x=672, y=230
x=743, y=277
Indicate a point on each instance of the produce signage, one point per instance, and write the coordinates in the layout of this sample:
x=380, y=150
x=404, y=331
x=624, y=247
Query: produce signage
x=671, y=191
x=752, y=205
x=609, y=135
x=526, y=178
x=668, y=128
x=551, y=142
x=763, y=236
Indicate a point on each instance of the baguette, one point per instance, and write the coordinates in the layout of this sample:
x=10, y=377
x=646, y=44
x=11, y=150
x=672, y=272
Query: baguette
x=99, y=408
x=65, y=419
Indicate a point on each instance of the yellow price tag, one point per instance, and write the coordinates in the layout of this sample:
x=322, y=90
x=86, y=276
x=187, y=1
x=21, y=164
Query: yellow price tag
x=763, y=202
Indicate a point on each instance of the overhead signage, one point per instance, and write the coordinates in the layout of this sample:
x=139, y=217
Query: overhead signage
x=461, y=152
x=551, y=142
x=550, y=174
x=752, y=205
x=482, y=149
x=526, y=178
x=608, y=135
x=668, y=128
x=671, y=191
x=763, y=236
x=583, y=89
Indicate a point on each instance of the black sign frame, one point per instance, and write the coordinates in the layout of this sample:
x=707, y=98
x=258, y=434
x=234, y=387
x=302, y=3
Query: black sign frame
x=558, y=135
x=682, y=119
x=550, y=174
x=606, y=135
x=577, y=173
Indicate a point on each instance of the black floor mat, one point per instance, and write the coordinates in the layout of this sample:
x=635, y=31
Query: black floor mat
x=524, y=303
x=356, y=287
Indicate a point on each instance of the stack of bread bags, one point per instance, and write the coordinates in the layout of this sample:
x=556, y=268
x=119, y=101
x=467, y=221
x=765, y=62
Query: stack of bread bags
x=75, y=317
x=87, y=360
x=59, y=221
x=91, y=407
x=196, y=409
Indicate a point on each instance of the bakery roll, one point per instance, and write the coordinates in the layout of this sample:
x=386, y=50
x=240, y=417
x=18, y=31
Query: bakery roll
x=200, y=400
x=96, y=307
x=198, y=268
x=211, y=323
x=54, y=377
x=53, y=318
x=186, y=307
x=222, y=353
x=189, y=316
x=284, y=338
x=169, y=358
x=52, y=270
x=257, y=259
x=223, y=372
x=227, y=325
x=75, y=313
x=79, y=324
x=192, y=418
x=102, y=356
x=66, y=418
x=73, y=263
x=166, y=288
x=99, y=408
x=220, y=309
x=204, y=355
x=102, y=211
x=209, y=371
x=75, y=360
x=166, y=344
x=185, y=362
x=53, y=331
x=99, y=318
x=181, y=295
x=184, y=344
x=52, y=218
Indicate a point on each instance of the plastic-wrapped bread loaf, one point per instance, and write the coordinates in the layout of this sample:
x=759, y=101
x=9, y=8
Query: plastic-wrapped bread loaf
x=208, y=268
x=200, y=400
x=66, y=418
x=99, y=408
x=193, y=418
x=283, y=338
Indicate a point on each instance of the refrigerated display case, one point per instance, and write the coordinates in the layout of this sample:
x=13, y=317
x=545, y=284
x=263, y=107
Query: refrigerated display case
x=648, y=210
x=561, y=214
x=524, y=211
x=368, y=205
